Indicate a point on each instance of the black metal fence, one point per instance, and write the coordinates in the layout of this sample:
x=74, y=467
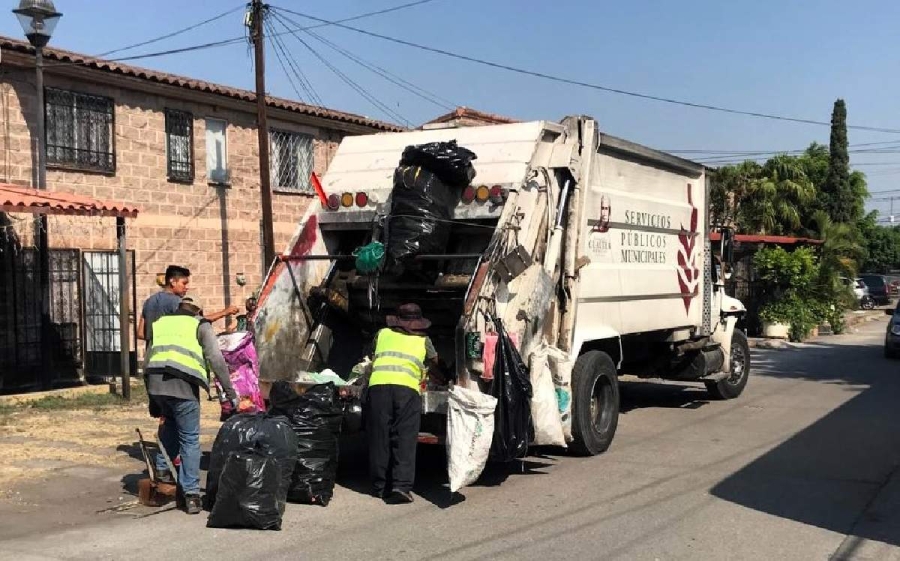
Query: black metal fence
x=72, y=346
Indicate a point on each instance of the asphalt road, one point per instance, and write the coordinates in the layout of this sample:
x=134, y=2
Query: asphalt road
x=803, y=466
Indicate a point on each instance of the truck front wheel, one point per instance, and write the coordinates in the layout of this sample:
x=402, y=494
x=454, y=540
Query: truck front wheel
x=733, y=386
x=595, y=403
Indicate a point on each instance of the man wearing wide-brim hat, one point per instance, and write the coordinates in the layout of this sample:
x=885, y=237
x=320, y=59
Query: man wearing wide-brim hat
x=403, y=357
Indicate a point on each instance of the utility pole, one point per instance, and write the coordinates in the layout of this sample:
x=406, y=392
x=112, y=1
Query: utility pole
x=257, y=14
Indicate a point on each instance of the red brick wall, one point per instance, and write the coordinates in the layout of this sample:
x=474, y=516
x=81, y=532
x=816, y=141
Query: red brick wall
x=212, y=230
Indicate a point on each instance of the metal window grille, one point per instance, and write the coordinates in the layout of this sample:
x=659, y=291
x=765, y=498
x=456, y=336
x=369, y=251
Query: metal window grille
x=292, y=161
x=179, y=145
x=79, y=130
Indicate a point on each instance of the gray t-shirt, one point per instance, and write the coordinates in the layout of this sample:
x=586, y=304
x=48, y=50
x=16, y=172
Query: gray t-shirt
x=160, y=304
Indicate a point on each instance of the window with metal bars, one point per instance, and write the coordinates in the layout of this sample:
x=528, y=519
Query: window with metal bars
x=292, y=161
x=79, y=130
x=179, y=145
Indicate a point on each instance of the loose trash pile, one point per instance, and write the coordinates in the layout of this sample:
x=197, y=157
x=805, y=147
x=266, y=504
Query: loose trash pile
x=470, y=429
x=250, y=468
x=240, y=355
x=512, y=388
x=315, y=416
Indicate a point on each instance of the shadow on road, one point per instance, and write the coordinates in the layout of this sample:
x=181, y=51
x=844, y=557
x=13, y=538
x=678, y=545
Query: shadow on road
x=828, y=473
x=640, y=395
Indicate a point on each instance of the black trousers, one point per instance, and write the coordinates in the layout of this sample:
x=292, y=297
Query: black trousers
x=392, y=430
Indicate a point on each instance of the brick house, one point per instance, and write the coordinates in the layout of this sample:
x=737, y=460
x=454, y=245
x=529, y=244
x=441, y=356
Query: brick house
x=467, y=117
x=183, y=151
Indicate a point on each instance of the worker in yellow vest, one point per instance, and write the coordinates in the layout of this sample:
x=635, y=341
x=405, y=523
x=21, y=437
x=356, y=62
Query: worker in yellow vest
x=403, y=356
x=183, y=347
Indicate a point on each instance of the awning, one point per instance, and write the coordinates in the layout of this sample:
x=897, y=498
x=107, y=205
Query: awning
x=23, y=199
x=780, y=240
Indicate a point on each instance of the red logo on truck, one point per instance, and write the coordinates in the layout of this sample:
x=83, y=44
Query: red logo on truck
x=688, y=272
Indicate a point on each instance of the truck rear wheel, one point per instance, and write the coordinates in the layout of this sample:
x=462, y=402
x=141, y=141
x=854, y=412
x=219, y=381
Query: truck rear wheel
x=733, y=386
x=595, y=403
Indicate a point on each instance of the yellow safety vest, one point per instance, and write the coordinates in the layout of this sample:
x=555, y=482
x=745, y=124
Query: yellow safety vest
x=399, y=360
x=175, y=345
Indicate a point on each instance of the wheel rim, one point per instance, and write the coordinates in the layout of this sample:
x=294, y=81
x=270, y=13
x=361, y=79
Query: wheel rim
x=601, y=395
x=738, y=364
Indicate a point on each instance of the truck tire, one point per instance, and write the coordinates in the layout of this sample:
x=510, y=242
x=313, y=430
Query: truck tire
x=595, y=403
x=734, y=385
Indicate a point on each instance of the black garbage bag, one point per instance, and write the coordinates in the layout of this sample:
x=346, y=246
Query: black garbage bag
x=419, y=223
x=512, y=388
x=316, y=417
x=250, y=431
x=447, y=160
x=252, y=491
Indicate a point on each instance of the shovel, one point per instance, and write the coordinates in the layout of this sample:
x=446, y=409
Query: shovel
x=151, y=491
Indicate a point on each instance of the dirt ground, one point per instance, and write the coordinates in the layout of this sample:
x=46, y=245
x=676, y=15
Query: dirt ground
x=36, y=441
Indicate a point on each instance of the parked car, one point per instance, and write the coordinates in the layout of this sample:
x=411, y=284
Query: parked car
x=892, y=337
x=861, y=291
x=878, y=288
x=894, y=287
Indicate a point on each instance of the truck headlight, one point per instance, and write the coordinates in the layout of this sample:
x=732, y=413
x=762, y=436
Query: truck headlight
x=895, y=329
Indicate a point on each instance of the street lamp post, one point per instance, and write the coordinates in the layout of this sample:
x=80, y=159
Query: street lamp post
x=38, y=19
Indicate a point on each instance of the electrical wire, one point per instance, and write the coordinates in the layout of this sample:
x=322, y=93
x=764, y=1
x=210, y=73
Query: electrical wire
x=174, y=33
x=422, y=93
x=286, y=73
x=236, y=40
x=580, y=83
x=349, y=81
x=305, y=83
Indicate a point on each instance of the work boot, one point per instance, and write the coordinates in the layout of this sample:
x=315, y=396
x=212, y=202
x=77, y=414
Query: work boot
x=165, y=476
x=399, y=498
x=193, y=504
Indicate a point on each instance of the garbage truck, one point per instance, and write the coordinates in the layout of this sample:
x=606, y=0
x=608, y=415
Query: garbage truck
x=571, y=237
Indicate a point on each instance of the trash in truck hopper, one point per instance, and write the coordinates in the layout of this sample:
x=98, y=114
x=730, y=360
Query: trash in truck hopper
x=427, y=187
x=451, y=163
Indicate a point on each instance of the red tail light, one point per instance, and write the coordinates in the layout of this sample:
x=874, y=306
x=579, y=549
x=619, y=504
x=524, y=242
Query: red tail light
x=362, y=199
x=468, y=194
x=334, y=201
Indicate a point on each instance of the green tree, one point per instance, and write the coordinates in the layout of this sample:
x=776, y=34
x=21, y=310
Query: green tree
x=837, y=191
x=729, y=187
x=773, y=201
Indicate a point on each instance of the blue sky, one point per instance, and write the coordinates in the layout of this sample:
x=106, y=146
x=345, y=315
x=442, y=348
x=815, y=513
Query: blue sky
x=787, y=57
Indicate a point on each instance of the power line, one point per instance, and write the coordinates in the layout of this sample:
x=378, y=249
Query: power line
x=572, y=82
x=305, y=83
x=716, y=151
x=239, y=39
x=349, y=81
x=393, y=78
x=286, y=73
x=174, y=33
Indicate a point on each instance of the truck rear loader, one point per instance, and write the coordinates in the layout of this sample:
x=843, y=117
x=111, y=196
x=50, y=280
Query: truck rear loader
x=572, y=237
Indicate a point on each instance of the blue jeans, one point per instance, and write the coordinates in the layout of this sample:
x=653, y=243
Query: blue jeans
x=180, y=434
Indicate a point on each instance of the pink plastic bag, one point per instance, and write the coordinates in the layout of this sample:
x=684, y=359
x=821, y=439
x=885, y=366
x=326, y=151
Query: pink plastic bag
x=240, y=354
x=489, y=354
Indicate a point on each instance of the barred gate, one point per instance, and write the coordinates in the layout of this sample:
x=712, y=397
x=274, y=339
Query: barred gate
x=21, y=344
x=102, y=348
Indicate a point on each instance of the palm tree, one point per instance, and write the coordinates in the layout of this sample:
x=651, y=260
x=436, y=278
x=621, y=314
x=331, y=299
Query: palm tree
x=839, y=255
x=773, y=202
